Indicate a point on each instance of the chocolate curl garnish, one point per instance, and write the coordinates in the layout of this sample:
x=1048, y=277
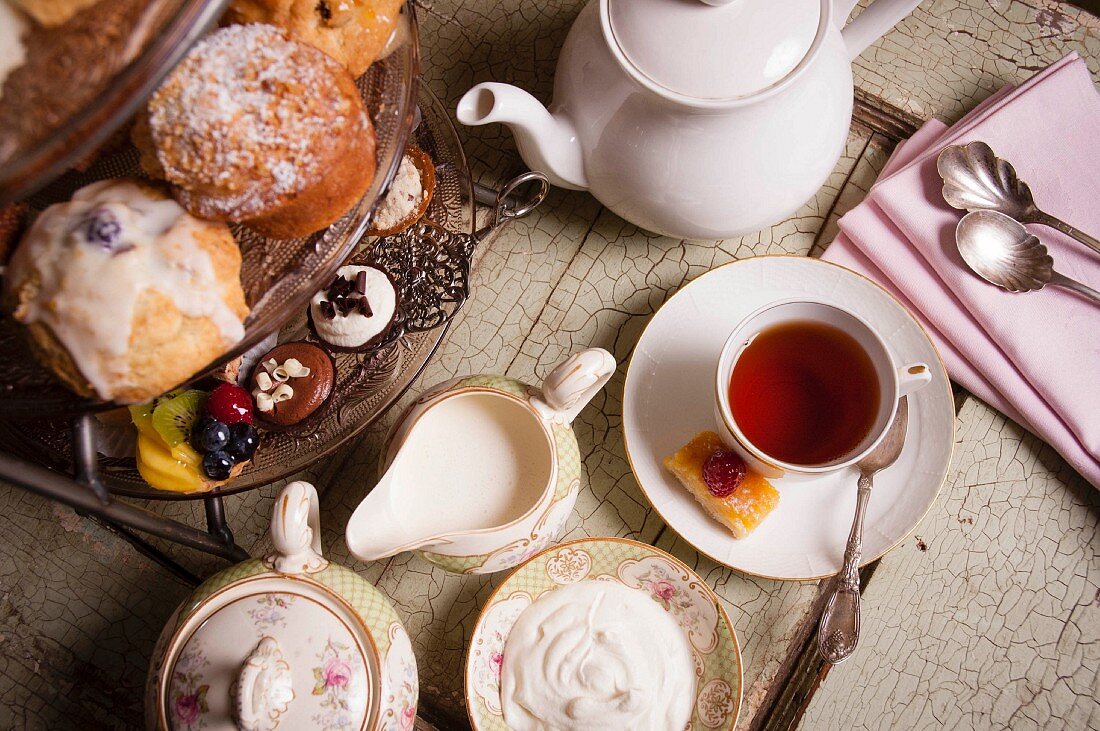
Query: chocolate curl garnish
x=361, y=282
x=364, y=307
x=340, y=287
x=328, y=310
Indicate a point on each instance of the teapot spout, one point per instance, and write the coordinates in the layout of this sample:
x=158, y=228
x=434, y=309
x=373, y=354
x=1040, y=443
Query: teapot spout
x=548, y=143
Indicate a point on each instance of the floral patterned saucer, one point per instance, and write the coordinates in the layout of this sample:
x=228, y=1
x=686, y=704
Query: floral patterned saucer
x=674, y=586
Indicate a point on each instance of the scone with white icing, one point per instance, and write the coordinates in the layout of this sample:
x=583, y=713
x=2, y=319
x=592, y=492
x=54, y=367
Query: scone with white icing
x=125, y=295
x=356, y=310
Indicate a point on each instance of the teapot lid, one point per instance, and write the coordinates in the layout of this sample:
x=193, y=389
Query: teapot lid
x=712, y=50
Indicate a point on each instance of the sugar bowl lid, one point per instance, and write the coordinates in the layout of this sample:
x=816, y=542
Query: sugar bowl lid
x=711, y=50
x=285, y=642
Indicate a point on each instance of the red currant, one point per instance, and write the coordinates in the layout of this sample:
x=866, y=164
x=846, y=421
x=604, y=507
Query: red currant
x=723, y=472
x=230, y=404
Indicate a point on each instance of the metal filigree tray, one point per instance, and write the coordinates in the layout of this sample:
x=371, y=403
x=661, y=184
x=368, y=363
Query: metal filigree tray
x=430, y=266
x=278, y=276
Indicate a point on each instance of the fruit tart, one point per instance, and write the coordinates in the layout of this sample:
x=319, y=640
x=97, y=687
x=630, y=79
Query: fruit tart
x=192, y=441
x=721, y=482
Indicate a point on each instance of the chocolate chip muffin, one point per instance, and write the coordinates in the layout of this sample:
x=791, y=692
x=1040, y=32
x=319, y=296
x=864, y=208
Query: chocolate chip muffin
x=354, y=32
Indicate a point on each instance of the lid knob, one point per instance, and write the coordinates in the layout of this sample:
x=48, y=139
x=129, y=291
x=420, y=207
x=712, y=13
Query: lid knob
x=264, y=688
x=296, y=530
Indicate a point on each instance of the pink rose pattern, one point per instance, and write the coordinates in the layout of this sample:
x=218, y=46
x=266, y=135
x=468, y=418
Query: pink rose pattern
x=663, y=590
x=331, y=680
x=496, y=660
x=408, y=718
x=666, y=593
x=188, y=691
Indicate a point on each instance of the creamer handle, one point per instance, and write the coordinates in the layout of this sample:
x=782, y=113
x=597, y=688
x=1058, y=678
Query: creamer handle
x=871, y=24
x=296, y=530
x=264, y=688
x=571, y=385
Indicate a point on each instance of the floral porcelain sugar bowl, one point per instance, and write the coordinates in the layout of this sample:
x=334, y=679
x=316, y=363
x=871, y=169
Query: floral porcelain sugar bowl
x=287, y=642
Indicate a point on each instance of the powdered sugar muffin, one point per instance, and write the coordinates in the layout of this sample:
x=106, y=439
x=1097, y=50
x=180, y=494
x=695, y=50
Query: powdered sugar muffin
x=123, y=294
x=254, y=127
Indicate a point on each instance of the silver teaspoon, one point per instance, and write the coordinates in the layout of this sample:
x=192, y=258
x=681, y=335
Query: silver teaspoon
x=1001, y=251
x=975, y=179
x=838, y=631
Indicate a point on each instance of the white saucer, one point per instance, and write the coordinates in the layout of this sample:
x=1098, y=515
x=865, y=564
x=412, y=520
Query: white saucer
x=669, y=398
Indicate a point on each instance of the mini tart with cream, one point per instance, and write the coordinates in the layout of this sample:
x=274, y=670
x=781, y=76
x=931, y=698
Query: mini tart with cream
x=123, y=294
x=356, y=310
x=290, y=383
x=730, y=493
x=407, y=200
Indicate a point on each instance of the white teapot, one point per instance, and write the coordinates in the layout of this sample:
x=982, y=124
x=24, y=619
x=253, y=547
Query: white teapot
x=697, y=119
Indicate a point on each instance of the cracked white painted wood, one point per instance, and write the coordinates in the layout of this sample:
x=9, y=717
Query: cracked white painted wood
x=989, y=615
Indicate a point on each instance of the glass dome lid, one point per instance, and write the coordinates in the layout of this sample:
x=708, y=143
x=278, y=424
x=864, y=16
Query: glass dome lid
x=73, y=71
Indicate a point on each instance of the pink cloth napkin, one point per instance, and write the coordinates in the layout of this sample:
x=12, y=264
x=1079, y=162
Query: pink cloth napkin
x=1034, y=356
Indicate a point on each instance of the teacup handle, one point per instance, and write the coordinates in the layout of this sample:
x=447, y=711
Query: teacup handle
x=296, y=530
x=571, y=385
x=912, y=377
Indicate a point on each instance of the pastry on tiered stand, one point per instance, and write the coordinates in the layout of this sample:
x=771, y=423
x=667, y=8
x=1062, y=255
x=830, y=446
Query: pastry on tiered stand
x=409, y=194
x=354, y=32
x=256, y=128
x=290, y=383
x=357, y=309
x=123, y=293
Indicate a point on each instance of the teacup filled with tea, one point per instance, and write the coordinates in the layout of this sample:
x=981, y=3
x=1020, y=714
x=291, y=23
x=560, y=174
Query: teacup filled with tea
x=807, y=387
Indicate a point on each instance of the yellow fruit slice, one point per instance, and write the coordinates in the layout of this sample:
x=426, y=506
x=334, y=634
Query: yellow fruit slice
x=162, y=470
x=185, y=453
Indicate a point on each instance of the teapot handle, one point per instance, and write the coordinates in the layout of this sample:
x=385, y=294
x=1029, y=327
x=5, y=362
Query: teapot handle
x=264, y=688
x=296, y=530
x=872, y=23
x=571, y=385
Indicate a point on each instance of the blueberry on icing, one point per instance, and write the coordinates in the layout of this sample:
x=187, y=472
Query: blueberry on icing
x=102, y=228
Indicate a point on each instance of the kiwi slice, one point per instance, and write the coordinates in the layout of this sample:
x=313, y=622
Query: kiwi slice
x=174, y=417
x=142, y=414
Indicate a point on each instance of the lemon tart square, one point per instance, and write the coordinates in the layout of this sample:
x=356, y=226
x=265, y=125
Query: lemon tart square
x=744, y=508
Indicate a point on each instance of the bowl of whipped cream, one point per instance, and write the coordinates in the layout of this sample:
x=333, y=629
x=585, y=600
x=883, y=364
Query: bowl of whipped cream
x=603, y=633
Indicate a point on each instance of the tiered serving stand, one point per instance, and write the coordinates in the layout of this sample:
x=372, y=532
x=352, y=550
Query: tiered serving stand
x=51, y=438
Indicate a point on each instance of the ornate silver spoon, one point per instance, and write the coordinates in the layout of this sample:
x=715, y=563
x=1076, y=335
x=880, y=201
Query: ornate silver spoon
x=1001, y=251
x=838, y=631
x=975, y=179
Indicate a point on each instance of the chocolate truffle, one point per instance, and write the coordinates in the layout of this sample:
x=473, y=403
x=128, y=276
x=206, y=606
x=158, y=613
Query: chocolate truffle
x=290, y=382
